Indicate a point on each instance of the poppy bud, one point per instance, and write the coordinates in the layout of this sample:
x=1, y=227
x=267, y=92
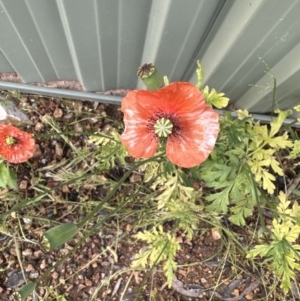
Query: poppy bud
x=150, y=77
x=58, y=235
x=25, y=291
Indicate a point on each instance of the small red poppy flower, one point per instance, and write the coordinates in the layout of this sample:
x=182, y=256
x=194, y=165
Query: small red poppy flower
x=177, y=113
x=16, y=146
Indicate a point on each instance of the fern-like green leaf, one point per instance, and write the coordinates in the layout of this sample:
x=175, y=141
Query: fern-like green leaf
x=220, y=201
x=162, y=247
x=214, y=98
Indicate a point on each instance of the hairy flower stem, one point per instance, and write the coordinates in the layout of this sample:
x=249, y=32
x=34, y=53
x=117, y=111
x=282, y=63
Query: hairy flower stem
x=112, y=192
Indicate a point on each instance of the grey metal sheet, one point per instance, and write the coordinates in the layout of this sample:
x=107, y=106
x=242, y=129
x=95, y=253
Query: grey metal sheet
x=101, y=43
x=4, y=63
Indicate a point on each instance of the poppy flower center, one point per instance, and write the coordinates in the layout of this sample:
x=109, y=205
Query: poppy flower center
x=163, y=127
x=10, y=140
x=163, y=124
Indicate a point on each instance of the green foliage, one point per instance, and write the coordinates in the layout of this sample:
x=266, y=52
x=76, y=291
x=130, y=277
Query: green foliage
x=297, y=109
x=169, y=183
x=111, y=150
x=214, y=98
x=162, y=247
x=176, y=201
x=186, y=215
x=8, y=177
x=295, y=150
x=243, y=146
x=283, y=251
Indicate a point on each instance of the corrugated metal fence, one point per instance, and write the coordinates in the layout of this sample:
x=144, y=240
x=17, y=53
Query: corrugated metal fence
x=101, y=43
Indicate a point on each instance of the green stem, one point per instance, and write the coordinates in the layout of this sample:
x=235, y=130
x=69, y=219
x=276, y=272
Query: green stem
x=112, y=192
x=262, y=221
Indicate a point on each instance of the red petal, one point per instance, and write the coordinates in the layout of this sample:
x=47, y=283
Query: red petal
x=195, y=142
x=182, y=98
x=137, y=107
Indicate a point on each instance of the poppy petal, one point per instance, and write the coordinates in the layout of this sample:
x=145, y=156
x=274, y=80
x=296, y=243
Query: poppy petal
x=181, y=98
x=196, y=141
x=139, y=142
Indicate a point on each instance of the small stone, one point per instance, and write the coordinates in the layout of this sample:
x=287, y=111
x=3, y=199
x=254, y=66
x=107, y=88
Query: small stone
x=38, y=253
x=29, y=268
x=27, y=220
x=250, y=296
x=179, y=239
x=94, y=265
x=236, y=292
x=58, y=150
x=27, y=252
x=196, y=186
x=23, y=185
x=15, y=279
x=135, y=178
x=68, y=117
x=215, y=233
x=38, y=126
x=57, y=113
x=37, y=152
x=137, y=277
x=45, y=118
x=54, y=275
x=203, y=280
x=43, y=265
x=65, y=189
x=34, y=275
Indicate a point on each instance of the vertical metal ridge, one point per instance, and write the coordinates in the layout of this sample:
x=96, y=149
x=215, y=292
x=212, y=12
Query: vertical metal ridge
x=190, y=69
x=42, y=38
x=226, y=31
x=69, y=38
x=157, y=18
x=187, y=37
x=120, y=24
x=99, y=46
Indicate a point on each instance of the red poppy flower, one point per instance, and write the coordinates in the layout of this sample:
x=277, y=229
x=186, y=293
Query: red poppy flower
x=16, y=146
x=179, y=114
